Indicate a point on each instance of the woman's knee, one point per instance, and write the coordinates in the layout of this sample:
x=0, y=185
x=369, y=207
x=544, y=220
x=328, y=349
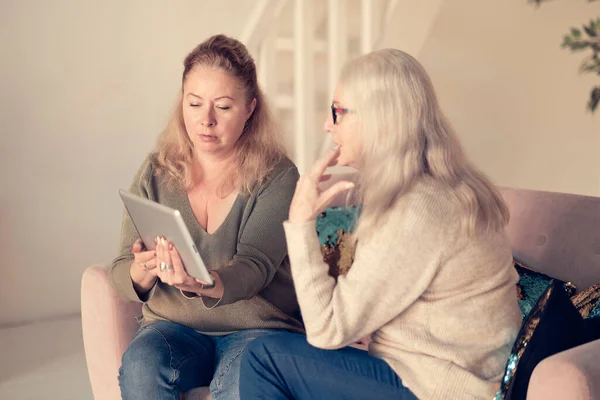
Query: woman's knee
x=147, y=358
x=264, y=363
x=265, y=347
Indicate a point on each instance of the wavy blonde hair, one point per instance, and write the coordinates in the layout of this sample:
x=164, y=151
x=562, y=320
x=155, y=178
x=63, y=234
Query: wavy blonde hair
x=259, y=147
x=406, y=138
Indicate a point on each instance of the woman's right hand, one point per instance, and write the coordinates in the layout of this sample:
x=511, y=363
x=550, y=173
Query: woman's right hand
x=308, y=199
x=143, y=270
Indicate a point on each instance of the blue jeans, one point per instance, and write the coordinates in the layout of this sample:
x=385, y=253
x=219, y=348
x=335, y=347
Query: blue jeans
x=166, y=358
x=285, y=366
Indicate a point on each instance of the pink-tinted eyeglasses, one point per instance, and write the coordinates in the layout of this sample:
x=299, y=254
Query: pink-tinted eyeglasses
x=335, y=111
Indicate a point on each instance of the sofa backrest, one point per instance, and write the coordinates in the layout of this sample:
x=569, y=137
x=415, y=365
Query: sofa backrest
x=556, y=233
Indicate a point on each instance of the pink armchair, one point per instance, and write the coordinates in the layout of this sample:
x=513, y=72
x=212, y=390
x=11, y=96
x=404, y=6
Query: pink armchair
x=551, y=232
x=109, y=323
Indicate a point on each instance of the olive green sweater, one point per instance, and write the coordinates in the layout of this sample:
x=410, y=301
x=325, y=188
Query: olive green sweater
x=248, y=250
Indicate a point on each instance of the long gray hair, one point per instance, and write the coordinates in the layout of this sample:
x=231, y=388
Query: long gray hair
x=406, y=137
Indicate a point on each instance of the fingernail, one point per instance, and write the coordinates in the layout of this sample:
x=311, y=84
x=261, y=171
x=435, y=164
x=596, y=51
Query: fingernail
x=156, y=240
x=170, y=246
x=163, y=241
x=349, y=185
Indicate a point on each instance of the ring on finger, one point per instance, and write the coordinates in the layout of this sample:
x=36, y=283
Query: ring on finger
x=147, y=268
x=165, y=267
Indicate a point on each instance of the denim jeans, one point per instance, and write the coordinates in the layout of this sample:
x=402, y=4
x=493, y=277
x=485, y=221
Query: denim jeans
x=285, y=366
x=166, y=358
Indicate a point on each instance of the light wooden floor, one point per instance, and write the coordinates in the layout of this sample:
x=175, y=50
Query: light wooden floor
x=44, y=361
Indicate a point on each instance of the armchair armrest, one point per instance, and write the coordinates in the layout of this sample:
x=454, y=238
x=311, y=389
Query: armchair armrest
x=571, y=374
x=108, y=324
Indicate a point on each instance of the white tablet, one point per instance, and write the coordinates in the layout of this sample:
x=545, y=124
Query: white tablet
x=152, y=219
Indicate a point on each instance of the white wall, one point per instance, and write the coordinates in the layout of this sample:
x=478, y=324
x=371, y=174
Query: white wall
x=514, y=96
x=86, y=86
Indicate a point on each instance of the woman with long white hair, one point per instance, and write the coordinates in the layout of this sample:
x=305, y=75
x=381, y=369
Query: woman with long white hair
x=432, y=280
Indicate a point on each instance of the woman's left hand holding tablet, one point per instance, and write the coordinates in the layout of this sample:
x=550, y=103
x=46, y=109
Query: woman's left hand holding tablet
x=142, y=269
x=172, y=272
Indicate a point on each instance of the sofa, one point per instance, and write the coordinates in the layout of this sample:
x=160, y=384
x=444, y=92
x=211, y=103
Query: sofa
x=554, y=233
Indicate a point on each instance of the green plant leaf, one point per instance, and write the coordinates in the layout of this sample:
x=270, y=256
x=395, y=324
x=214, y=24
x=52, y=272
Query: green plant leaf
x=576, y=46
x=576, y=41
x=589, y=65
x=594, y=99
x=590, y=30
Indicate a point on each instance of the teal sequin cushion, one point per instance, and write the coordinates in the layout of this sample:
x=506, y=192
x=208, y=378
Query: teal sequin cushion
x=593, y=322
x=334, y=219
x=531, y=285
x=334, y=227
x=553, y=325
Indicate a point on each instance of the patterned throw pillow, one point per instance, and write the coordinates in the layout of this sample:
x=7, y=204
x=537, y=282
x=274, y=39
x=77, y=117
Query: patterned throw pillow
x=334, y=227
x=588, y=301
x=532, y=284
x=552, y=326
x=588, y=304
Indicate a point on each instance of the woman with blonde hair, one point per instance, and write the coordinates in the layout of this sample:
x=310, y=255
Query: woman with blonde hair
x=432, y=280
x=219, y=162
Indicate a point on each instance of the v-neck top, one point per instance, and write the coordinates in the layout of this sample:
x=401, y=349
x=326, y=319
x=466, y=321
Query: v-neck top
x=248, y=250
x=188, y=207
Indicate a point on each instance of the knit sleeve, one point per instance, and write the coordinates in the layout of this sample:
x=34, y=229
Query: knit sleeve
x=118, y=274
x=261, y=247
x=392, y=269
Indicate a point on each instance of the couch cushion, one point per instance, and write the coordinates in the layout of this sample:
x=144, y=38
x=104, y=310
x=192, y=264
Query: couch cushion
x=556, y=233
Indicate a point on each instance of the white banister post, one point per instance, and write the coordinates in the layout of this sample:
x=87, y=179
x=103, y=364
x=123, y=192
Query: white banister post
x=267, y=68
x=337, y=54
x=304, y=93
x=366, y=25
x=249, y=34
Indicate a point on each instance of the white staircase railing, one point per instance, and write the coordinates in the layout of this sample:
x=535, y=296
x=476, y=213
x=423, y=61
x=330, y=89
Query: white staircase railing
x=260, y=23
x=262, y=35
